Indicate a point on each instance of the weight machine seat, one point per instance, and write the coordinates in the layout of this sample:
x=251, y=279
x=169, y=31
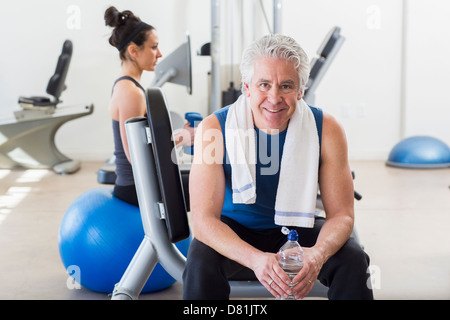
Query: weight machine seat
x=173, y=183
x=319, y=65
x=56, y=84
x=32, y=130
x=169, y=177
x=163, y=209
x=330, y=42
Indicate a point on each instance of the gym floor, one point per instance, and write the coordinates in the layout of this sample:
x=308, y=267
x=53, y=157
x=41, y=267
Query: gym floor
x=402, y=221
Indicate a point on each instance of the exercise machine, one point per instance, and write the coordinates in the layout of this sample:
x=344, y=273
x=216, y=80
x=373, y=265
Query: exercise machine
x=175, y=68
x=320, y=64
x=28, y=139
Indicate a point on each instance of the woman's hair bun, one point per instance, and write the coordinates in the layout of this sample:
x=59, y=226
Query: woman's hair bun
x=125, y=23
x=115, y=18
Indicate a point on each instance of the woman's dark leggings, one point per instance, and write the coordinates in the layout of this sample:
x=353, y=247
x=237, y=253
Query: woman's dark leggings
x=127, y=194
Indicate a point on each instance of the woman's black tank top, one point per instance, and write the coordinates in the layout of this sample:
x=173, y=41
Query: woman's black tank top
x=124, y=173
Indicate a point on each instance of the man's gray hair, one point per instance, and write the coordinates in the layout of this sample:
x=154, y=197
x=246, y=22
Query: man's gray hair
x=275, y=46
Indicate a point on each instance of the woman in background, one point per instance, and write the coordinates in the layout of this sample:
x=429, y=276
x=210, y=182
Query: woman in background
x=137, y=43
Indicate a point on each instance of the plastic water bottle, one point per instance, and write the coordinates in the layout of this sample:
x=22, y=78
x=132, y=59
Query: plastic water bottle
x=290, y=257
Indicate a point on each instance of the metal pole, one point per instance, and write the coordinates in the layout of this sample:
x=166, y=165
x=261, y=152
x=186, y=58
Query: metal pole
x=147, y=188
x=253, y=20
x=216, y=100
x=402, y=122
x=277, y=15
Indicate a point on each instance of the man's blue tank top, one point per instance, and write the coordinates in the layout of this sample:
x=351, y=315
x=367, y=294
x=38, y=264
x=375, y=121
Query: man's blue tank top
x=260, y=215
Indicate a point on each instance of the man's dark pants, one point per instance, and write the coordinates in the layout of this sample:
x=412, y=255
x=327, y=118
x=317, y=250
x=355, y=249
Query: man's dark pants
x=207, y=272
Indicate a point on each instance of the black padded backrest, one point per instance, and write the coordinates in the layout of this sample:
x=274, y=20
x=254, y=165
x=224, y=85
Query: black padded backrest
x=316, y=66
x=56, y=84
x=329, y=42
x=168, y=173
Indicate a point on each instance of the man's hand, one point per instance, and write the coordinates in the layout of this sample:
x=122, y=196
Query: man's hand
x=271, y=275
x=305, y=279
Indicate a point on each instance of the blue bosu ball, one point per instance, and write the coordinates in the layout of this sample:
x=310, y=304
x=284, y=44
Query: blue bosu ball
x=420, y=152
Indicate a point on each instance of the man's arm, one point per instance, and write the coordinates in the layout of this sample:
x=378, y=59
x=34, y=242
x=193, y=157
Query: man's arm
x=207, y=190
x=336, y=189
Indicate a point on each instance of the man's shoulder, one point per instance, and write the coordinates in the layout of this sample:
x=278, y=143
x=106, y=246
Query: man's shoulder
x=222, y=113
x=316, y=111
x=221, y=116
x=333, y=133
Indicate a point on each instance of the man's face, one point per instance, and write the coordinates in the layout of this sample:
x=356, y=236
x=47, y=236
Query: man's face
x=273, y=92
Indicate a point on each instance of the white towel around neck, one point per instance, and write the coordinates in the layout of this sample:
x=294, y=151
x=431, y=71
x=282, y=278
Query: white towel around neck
x=295, y=203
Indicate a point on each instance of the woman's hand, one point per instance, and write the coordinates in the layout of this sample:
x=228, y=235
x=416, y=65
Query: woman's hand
x=185, y=136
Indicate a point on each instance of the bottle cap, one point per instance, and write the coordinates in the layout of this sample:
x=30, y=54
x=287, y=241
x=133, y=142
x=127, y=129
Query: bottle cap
x=285, y=230
x=292, y=236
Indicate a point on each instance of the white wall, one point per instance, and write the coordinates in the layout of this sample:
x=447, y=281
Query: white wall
x=427, y=76
x=33, y=33
x=362, y=89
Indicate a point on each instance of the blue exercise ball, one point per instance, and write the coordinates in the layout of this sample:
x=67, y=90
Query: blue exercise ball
x=420, y=152
x=98, y=238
